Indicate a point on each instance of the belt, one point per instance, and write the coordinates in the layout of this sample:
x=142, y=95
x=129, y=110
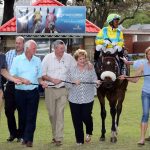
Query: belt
x=27, y=91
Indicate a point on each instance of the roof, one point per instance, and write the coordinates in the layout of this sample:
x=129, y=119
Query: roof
x=10, y=26
x=139, y=27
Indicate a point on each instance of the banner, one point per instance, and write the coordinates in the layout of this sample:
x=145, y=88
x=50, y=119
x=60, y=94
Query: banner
x=50, y=19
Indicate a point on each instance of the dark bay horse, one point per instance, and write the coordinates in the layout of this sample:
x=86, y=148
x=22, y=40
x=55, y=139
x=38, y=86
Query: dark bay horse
x=107, y=69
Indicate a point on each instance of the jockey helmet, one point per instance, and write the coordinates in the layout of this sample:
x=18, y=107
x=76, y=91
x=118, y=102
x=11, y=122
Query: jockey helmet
x=112, y=17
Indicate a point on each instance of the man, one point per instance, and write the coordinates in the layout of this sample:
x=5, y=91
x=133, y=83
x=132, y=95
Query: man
x=27, y=68
x=5, y=73
x=110, y=39
x=9, y=93
x=55, y=66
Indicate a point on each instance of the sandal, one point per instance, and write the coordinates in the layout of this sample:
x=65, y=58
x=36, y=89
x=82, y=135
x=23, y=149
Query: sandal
x=88, y=138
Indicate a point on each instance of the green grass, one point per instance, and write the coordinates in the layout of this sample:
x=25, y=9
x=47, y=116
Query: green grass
x=129, y=131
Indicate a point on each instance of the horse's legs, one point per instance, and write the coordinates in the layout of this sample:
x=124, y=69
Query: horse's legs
x=112, y=102
x=113, y=114
x=119, y=110
x=103, y=117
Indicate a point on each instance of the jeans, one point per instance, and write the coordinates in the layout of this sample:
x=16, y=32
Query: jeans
x=145, y=106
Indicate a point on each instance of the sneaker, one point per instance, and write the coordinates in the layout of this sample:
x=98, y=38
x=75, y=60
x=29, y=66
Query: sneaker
x=78, y=144
x=53, y=141
x=88, y=138
x=29, y=144
x=11, y=138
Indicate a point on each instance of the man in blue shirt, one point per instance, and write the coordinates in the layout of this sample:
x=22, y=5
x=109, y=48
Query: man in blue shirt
x=5, y=73
x=27, y=68
x=9, y=93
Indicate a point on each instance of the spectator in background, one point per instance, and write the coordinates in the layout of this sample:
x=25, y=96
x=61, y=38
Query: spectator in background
x=27, y=68
x=81, y=96
x=9, y=93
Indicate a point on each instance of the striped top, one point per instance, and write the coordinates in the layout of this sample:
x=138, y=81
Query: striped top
x=9, y=57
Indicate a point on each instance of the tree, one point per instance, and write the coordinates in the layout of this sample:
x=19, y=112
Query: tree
x=8, y=10
x=98, y=10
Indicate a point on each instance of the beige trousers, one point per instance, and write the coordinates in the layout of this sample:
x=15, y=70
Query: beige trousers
x=55, y=100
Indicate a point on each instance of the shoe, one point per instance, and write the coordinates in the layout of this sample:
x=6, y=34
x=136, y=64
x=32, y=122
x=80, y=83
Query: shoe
x=78, y=144
x=53, y=141
x=23, y=142
x=11, y=138
x=147, y=139
x=58, y=143
x=19, y=140
x=140, y=143
x=29, y=144
x=88, y=138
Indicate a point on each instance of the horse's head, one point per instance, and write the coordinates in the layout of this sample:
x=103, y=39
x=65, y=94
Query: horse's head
x=50, y=21
x=22, y=21
x=37, y=21
x=107, y=68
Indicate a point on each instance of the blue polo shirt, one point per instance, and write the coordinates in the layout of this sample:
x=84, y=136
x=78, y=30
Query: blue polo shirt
x=30, y=70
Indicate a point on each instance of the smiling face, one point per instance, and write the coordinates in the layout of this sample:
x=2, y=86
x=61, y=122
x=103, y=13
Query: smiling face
x=81, y=61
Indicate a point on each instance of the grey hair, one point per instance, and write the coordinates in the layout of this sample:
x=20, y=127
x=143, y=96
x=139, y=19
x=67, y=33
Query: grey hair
x=20, y=37
x=57, y=42
x=28, y=43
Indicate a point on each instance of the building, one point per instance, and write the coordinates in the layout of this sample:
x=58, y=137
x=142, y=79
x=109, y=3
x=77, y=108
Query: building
x=74, y=41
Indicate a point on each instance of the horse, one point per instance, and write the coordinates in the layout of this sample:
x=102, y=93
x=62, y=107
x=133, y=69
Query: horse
x=37, y=21
x=50, y=22
x=107, y=69
x=22, y=21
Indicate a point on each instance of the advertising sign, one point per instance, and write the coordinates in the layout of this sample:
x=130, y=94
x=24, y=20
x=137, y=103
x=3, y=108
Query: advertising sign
x=50, y=19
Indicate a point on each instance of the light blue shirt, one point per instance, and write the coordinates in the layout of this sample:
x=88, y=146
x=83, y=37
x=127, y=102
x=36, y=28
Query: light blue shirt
x=146, y=85
x=30, y=70
x=137, y=63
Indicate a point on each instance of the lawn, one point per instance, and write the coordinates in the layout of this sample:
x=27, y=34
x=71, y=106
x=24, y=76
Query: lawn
x=128, y=136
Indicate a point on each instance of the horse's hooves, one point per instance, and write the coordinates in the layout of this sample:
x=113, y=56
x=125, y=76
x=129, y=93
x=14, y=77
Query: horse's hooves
x=101, y=139
x=113, y=139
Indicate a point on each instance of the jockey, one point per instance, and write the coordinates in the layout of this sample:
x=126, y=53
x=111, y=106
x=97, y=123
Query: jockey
x=110, y=38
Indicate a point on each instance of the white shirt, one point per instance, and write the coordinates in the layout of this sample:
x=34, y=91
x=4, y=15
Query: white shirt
x=55, y=68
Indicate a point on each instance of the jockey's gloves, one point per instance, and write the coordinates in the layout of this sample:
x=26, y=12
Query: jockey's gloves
x=114, y=44
x=107, y=42
x=118, y=48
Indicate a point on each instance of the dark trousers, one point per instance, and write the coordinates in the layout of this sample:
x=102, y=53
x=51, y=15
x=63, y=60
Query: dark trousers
x=27, y=104
x=82, y=113
x=10, y=107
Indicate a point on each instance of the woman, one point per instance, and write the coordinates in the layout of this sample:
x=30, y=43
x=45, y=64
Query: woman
x=81, y=96
x=5, y=73
x=145, y=70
